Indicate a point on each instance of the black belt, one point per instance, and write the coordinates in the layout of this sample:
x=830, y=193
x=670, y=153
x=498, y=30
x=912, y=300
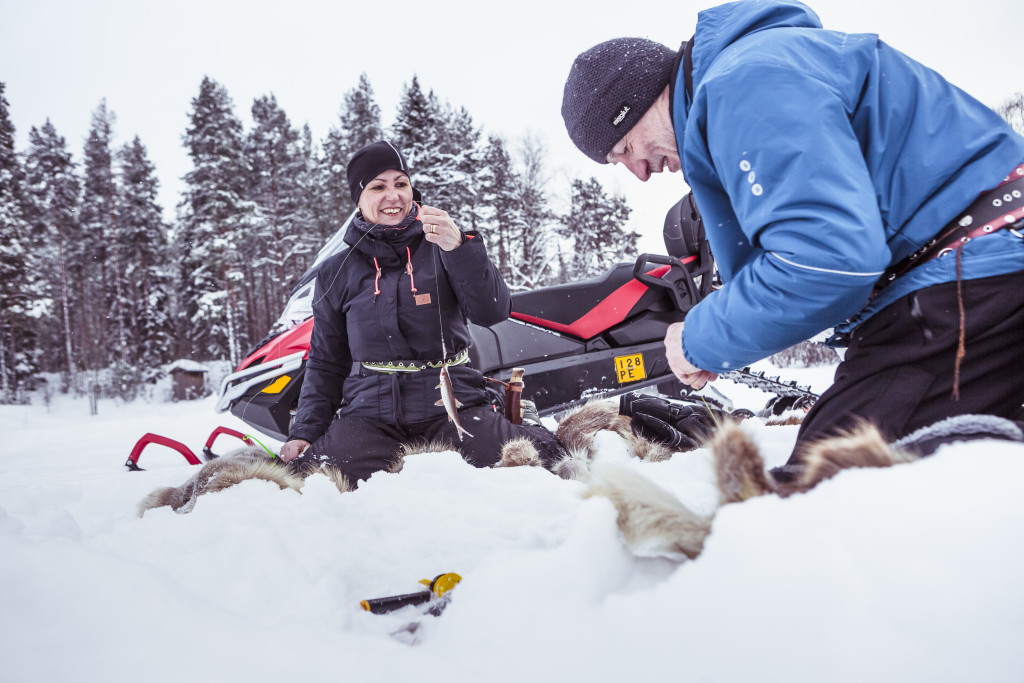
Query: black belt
x=1000, y=208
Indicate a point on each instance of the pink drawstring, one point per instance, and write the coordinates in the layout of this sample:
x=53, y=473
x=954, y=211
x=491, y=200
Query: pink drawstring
x=376, y=280
x=408, y=269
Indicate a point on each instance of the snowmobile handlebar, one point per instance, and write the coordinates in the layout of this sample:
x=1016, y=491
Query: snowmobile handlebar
x=677, y=280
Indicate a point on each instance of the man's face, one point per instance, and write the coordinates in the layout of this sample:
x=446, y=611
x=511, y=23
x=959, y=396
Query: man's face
x=650, y=147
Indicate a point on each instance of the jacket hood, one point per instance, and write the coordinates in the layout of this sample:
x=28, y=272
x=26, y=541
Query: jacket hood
x=720, y=27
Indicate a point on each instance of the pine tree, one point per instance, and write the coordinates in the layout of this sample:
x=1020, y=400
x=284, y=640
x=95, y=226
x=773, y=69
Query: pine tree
x=23, y=296
x=497, y=199
x=360, y=117
x=515, y=220
x=459, y=169
x=441, y=145
x=358, y=126
x=144, y=255
x=534, y=225
x=416, y=126
x=1012, y=110
x=594, y=227
x=280, y=235
x=416, y=131
x=215, y=223
x=103, y=324
x=311, y=240
x=52, y=205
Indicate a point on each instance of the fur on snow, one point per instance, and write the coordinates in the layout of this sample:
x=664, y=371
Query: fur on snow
x=246, y=463
x=652, y=521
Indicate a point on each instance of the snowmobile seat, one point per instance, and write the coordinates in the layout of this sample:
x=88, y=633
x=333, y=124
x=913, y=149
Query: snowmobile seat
x=587, y=308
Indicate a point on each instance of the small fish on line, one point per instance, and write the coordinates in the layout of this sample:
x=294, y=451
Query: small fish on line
x=450, y=403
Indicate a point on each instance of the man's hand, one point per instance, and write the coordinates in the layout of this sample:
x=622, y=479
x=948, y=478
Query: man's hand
x=682, y=368
x=293, y=449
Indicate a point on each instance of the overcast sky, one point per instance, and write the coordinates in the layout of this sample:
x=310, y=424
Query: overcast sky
x=505, y=62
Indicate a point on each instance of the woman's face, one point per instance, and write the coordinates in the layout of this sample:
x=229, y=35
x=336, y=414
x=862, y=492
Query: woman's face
x=386, y=199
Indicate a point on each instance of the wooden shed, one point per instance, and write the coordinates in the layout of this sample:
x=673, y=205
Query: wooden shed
x=188, y=380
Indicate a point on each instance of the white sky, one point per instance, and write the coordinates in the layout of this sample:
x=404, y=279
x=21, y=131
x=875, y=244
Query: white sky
x=506, y=64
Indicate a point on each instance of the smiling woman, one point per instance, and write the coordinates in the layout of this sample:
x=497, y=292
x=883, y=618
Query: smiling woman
x=387, y=198
x=390, y=312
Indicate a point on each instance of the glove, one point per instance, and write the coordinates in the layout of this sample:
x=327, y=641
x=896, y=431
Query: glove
x=679, y=426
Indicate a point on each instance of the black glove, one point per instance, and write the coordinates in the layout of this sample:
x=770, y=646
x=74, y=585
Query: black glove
x=680, y=426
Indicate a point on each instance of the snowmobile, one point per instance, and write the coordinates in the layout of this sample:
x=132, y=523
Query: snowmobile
x=595, y=338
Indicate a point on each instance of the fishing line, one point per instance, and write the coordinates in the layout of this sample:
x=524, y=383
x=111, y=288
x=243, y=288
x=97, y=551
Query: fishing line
x=440, y=321
x=272, y=453
x=711, y=412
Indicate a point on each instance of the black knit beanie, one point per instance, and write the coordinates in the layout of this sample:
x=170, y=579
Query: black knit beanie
x=610, y=87
x=370, y=162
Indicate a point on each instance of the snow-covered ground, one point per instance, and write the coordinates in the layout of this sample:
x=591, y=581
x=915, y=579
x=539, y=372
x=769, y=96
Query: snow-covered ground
x=915, y=573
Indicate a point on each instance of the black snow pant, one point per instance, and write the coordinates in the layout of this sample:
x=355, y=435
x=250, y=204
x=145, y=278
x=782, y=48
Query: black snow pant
x=899, y=370
x=360, y=446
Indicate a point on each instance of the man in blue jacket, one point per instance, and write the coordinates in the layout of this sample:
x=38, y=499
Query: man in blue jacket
x=843, y=185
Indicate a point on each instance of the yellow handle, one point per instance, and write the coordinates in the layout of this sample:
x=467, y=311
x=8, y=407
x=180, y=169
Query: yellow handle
x=442, y=583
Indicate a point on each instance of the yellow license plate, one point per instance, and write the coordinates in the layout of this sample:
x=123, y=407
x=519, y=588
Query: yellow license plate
x=630, y=368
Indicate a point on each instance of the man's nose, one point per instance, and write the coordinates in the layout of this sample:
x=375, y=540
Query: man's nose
x=640, y=168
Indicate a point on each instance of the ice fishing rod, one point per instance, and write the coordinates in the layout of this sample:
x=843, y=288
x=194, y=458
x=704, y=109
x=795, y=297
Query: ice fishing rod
x=436, y=587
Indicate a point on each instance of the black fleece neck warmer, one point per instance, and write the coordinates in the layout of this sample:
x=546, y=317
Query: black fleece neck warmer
x=386, y=243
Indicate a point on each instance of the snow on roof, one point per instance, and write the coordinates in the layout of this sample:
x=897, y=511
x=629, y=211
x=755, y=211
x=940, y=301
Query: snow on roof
x=186, y=365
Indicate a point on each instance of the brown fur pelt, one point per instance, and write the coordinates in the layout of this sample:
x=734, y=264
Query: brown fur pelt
x=436, y=446
x=648, y=450
x=246, y=463
x=784, y=420
x=652, y=520
x=862, y=446
x=519, y=452
x=576, y=433
x=741, y=471
x=738, y=465
x=576, y=430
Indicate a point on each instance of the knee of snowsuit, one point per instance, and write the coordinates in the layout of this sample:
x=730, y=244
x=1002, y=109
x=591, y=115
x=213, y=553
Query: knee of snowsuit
x=900, y=371
x=360, y=446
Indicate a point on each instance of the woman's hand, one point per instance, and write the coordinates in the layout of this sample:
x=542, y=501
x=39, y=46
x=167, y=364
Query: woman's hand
x=293, y=449
x=686, y=372
x=439, y=228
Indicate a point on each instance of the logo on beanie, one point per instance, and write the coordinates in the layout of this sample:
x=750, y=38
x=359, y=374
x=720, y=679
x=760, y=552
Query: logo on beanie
x=624, y=109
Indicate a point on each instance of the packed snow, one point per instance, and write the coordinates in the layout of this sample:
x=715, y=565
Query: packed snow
x=908, y=574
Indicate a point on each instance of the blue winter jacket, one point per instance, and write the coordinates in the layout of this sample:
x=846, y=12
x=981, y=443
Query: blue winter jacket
x=818, y=159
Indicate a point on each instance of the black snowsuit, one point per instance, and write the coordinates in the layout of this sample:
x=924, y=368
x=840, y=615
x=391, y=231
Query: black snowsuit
x=378, y=302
